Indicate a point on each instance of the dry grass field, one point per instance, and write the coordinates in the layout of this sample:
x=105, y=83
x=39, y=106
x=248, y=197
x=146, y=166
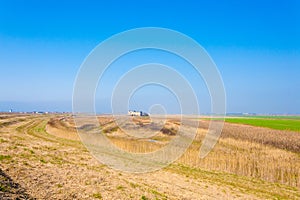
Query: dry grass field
x=42, y=157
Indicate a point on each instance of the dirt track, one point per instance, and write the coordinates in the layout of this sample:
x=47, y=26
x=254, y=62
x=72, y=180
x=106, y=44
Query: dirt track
x=51, y=163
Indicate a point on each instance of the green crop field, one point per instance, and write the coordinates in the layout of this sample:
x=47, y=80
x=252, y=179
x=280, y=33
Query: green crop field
x=274, y=122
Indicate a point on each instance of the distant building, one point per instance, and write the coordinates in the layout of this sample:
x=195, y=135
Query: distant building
x=134, y=113
x=38, y=112
x=10, y=110
x=137, y=113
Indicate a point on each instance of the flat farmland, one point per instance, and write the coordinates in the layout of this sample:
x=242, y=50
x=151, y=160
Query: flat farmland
x=278, y=123
x=42, y=157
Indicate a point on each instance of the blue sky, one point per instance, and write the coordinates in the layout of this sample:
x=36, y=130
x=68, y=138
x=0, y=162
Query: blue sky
x=255, y=44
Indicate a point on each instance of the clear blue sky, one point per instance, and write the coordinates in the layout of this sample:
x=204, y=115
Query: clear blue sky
x=255, y=44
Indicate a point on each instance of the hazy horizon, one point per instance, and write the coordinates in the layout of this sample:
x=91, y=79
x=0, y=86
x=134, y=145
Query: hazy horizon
x=67, y=107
